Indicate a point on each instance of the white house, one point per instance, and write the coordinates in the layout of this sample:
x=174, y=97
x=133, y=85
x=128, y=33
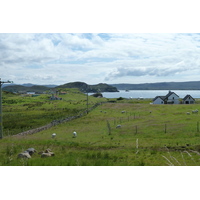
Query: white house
x=159, y=100
x=170, y=98
x=188, y=99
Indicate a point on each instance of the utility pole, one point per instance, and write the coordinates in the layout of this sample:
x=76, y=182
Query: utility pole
x=1, y=117
x=87, y=102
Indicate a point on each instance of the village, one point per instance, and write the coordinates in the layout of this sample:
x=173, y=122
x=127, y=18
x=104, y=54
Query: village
x=173, y=98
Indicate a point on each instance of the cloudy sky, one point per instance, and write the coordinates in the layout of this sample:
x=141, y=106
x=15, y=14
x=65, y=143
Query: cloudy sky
x=109, y=42
x=99, y=57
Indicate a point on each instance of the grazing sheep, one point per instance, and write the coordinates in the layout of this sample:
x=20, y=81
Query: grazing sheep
x=53, y=135
x=195, y=111
x=123, y=111
x=118, y=126
x=188, y=113
x=24, y=155
x=74, y=134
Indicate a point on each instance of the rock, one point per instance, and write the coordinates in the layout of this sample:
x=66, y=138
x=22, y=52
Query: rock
x=24, y=155
x=31, y=151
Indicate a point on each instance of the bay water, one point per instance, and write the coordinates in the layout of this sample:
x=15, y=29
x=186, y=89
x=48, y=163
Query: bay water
x=149, y=93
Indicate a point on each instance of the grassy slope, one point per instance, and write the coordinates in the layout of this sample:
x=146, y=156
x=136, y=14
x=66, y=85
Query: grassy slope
x=143, y=139
x=22, y=113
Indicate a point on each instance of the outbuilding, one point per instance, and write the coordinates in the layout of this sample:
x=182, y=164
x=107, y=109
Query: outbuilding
x=188, y=99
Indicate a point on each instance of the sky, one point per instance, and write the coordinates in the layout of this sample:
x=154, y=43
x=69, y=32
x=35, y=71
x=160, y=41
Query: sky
x=59, y=58
x=108, y=42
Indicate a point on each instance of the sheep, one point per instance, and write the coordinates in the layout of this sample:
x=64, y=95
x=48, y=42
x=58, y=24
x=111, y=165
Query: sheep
x=188, y=113
x=118, y=126
x=195, y=111
x=53, y=135
x=123, y=111
x=74, y=134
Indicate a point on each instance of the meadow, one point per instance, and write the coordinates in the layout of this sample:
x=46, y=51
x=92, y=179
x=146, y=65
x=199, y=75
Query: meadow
x=149, y=135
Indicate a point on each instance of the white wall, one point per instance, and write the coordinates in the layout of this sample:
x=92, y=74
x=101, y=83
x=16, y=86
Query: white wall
x=158, y=101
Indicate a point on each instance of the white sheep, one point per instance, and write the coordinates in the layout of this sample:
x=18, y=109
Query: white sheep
x=74, y=134
x=118, y=126
x=195, y=111
x=53, y=135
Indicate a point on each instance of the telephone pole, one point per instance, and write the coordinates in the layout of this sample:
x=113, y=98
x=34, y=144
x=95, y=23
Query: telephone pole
x=1, y=117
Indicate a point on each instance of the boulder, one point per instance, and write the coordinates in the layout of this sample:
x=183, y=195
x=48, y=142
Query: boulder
x=24, y=155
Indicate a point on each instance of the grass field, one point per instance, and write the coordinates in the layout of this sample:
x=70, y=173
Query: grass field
x=24, y=112
x=150, y=135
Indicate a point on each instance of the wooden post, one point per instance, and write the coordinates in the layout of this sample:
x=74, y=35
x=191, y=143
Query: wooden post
x=165, y=128
x=87, y=102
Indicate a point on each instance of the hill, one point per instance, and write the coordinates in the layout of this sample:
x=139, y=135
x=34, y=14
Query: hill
x=191, y=85
x=83, y=87
x=21, y=88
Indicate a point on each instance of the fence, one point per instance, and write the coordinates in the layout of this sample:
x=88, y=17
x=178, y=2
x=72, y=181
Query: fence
x=148, y=127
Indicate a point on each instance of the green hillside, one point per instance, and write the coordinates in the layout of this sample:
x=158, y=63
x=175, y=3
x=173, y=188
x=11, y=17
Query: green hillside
x=83, y=87
x=20, y=88
x=101, y=87
x=191, y=85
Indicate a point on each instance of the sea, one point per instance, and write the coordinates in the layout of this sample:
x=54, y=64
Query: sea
x=149, y=93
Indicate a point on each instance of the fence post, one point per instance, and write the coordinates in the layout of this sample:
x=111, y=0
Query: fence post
x=165, y=128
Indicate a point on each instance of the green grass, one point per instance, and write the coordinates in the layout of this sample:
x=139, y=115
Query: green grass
x=24, y=112
x=150, y=135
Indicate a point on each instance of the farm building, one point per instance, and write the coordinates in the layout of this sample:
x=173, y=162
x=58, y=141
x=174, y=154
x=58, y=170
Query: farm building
x=188, y=100
x=170, y=98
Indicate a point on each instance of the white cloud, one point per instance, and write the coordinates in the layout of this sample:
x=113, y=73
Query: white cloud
x=93, y=58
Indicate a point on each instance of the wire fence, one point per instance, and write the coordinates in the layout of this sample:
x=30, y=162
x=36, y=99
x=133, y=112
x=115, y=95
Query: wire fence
x=165, y=127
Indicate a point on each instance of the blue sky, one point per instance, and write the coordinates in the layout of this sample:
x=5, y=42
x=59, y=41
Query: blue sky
x=58, y=58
